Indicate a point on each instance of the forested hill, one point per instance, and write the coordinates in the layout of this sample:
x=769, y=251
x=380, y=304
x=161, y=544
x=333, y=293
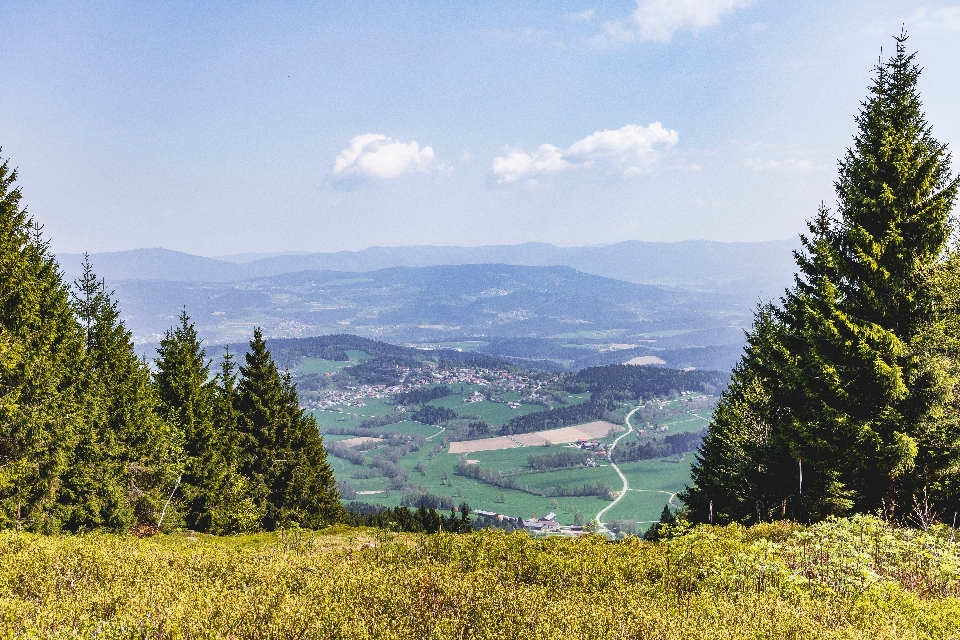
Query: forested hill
x=289, y=351
x=623, y=382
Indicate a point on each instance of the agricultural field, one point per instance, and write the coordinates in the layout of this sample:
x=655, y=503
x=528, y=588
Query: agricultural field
x=433, y=467
x=399, y=461
x=319, y=365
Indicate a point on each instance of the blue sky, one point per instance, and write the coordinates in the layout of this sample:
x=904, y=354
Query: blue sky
x=235, y=127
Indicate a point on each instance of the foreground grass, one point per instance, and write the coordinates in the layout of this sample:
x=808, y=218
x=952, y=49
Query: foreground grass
x=844, y=579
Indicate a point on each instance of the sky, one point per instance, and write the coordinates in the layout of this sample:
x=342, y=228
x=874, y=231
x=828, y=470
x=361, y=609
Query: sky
x=220, y=128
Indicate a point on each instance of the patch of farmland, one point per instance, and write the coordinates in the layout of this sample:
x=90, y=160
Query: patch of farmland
x=353, y=442
x=531, y=439
x=588, y=431
x=485, y=444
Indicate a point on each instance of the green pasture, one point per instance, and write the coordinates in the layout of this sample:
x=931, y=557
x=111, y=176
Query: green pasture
x=511, y=460
x=319, y=365
x=573, y=477
x=335, y=418
x=496, y=414
x=656, y=474
x=640, y=505
x=477, y=494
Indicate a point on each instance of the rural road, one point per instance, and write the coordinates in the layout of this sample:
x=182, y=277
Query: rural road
x=602, y=528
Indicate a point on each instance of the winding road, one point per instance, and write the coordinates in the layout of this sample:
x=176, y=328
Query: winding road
x=602, y=528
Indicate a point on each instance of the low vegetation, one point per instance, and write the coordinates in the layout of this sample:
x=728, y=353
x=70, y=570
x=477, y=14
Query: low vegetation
x=856, y=578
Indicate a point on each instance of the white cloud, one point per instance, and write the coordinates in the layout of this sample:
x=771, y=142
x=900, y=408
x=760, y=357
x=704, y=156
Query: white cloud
x=658, y=20
x=582, y=16
x=630, y=150
x=517, y=164
x=377, y=156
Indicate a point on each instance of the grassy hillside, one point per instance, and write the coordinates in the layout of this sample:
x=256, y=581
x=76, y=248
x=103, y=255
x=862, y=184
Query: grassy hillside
x=842, y=579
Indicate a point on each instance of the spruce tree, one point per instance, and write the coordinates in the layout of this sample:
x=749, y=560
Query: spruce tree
x=844, y=377
x=284, y=457
x=235, y=509
x=186, y=392
x=41, y=353
x=127, y=457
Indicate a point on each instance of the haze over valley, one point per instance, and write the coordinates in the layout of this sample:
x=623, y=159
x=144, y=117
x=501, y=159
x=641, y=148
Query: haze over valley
x=686, y=303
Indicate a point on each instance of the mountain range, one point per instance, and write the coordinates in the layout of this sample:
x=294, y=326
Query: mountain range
x=699, y=264
x=685, y=303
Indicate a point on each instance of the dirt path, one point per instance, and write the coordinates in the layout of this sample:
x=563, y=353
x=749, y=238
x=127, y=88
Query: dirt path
x=602, y=528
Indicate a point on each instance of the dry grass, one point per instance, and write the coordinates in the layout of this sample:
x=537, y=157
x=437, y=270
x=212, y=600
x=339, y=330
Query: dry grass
x=589, y=431
x=484, y=444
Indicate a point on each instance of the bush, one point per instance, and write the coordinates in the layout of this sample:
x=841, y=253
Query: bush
x=857, y=579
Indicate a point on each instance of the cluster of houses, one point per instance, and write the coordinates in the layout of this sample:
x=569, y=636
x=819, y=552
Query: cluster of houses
x=596, y=446
x=476, y=396
x=500, y=381
x=546, y=524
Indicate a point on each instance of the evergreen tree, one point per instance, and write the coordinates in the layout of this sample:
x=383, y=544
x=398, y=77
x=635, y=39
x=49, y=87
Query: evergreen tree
x=284, y=457
x=846, y=374
x=41, y=353
x=655, y=531
x=187, y=395
x=235, y=510
x=126, y=454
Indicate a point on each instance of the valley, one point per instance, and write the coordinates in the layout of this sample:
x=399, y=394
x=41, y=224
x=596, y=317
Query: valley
x=509, y=442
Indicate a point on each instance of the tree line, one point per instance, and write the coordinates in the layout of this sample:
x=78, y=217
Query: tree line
x=560, y=417
x=92, y=437
x=403, y=518
x=671, y=445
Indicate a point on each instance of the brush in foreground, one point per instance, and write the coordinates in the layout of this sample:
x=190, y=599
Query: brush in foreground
x=857, y=578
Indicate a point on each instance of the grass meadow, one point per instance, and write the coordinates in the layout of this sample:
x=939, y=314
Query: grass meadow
x=854, y=579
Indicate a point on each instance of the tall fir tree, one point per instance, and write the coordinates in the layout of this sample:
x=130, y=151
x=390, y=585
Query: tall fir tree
x=187, y=394
x=127, y=457
x=284, y=455
x=41, y=355
x=844, y=381
x=235, y=509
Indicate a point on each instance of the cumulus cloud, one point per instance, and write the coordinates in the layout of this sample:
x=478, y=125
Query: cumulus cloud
x=518, y=164
x=378, y=156
x=658, y=20
x=630, y=150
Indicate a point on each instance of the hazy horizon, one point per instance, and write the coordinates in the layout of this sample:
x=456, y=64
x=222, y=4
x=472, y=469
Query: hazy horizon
x=253, y=255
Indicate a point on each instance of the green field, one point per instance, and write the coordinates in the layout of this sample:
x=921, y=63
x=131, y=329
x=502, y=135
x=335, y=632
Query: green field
x=652, y=482
x=319, y=365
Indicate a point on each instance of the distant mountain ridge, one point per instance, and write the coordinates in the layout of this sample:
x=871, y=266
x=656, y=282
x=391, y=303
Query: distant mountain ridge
x=697, y=264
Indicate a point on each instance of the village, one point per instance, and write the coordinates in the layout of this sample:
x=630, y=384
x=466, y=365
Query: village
x=496, y=381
